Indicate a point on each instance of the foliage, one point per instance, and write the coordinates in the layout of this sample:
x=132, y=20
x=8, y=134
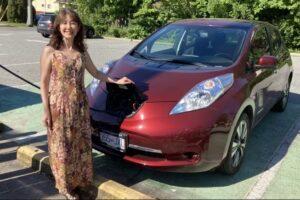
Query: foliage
x=17, y=10
x=3, y=5
x=142, y=17
x=102, y=14
x=145, y=21
x=117, y=31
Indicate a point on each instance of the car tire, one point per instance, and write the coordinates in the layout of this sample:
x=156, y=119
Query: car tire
x=282, y=103
x=235, y=155
x=45, y=35
x=90, y=33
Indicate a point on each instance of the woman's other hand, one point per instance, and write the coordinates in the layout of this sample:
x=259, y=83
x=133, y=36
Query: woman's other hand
x=124, y=80
x=47, y=120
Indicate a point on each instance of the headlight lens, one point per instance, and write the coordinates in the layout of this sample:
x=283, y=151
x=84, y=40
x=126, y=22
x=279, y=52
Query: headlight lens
x=104, y=69
x=204, y=94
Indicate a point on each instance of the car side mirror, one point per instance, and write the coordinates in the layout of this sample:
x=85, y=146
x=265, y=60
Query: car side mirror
x=266, y=62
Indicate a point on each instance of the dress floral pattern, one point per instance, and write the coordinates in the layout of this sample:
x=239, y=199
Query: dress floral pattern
x=69, y=141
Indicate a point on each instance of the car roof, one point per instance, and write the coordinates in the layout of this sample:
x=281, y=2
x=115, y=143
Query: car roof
x=221, y=22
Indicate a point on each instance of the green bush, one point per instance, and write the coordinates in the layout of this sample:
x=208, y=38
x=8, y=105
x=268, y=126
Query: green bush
x=137, y=32
x=144, y=22
x=17, y=11
x=142, y=17
x=117, y=31
x=3, y=5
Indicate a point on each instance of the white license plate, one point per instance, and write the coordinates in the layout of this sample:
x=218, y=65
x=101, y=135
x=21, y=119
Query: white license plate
x=116, y=142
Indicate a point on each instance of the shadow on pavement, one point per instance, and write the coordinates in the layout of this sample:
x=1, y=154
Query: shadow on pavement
x=12, y=98
x=265, y=139
x=4, y=128
x=26, y=183
x=10, y=142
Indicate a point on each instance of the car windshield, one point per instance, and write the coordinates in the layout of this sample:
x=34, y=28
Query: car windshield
x=199, y=45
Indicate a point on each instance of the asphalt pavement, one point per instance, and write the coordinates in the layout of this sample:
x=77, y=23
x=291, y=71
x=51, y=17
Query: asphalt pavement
x=271, y=168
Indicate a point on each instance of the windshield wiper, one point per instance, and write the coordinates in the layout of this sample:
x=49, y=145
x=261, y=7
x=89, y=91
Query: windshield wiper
x=141, y=55
x=187, y=62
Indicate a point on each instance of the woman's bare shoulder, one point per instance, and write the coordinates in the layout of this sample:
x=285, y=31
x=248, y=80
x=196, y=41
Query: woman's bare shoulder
x=47, y=50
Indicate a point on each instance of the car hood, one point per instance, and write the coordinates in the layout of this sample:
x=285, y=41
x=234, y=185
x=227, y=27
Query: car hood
x=160, y=81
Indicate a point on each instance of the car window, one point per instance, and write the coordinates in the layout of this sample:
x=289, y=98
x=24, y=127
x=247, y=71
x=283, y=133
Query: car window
x=167, y=42
x=275, y=39
x=215, y=46
x=47, y=18
x=259, y=45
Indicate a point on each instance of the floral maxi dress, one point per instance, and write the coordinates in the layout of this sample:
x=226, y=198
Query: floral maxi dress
x=69, y=141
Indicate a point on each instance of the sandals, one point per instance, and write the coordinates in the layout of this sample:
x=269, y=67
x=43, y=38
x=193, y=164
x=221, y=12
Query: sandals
x=71, y=196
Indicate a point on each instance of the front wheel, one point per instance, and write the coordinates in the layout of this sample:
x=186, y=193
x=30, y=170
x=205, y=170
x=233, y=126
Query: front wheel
x=45, y=35
x=236, y=151
x=282, y=103
x=90, y=33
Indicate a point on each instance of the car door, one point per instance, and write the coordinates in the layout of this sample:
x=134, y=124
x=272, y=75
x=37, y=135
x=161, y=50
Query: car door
x=281, y=71
x=263, y=78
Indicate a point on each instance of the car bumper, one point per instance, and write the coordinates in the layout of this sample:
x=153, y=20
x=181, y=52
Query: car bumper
x=45, y=31
x=188, y=142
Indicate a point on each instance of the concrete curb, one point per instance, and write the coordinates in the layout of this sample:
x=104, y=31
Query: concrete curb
x=295, y=54
x=126, y=39
x=5, y=25
x=38, y=159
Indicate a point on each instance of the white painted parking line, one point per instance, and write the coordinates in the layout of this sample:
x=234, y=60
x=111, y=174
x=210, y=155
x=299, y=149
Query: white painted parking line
x=1, y=45
x=260, y=187
x=3, y=54
x=5, y=34
x=16, y=64
x=7, y=87
x=23, y=139
x=39, y=41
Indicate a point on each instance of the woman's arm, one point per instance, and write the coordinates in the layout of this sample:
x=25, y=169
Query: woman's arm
x=99, y=75
x=45, y=64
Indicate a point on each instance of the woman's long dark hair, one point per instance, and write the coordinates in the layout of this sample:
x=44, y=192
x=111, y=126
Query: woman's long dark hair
x=56, y=40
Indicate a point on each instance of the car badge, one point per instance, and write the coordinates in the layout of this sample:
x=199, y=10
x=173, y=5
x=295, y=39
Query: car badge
x=209, y=84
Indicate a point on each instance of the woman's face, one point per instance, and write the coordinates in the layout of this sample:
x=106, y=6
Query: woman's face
x=68, y=28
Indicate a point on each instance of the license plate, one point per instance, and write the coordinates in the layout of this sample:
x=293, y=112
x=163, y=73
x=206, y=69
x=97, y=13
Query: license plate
x=117, y=142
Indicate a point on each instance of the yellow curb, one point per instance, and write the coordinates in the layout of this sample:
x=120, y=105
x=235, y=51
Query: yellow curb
x=25, y=154
x=107, y=189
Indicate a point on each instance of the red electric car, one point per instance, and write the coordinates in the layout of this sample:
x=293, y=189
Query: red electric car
x=201, y=85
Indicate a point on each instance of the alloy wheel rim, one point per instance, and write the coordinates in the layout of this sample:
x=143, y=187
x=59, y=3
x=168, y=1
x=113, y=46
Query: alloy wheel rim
x=286, y=94
x=239, y=143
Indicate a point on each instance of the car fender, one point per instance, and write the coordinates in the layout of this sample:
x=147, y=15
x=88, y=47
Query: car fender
x=248, y=102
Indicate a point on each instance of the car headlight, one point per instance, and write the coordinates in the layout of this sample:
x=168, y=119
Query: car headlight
x=204, y=94
x=104, y=69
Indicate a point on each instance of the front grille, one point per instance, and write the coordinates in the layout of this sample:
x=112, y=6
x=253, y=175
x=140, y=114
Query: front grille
x=98, y=125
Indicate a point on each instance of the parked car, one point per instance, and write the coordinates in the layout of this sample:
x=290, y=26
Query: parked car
x=46, y=22
x=200, y=87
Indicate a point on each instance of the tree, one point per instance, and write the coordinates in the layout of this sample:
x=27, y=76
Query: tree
x=144, y=16
x=3, y=9
x=16, y=11
x=283, y=13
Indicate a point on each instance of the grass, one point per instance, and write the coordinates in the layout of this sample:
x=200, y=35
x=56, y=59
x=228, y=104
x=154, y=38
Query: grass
x=13, y=24
x=297, y=51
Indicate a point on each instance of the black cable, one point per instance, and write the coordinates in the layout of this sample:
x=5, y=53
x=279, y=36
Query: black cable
x=23, y=79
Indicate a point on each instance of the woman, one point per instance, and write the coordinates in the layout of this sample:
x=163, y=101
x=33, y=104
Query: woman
x=66, y=110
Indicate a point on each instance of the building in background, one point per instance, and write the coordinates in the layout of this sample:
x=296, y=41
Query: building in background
x=48, y=6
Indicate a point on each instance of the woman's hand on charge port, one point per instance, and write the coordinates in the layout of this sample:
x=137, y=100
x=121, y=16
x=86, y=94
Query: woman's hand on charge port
x=124, y=80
